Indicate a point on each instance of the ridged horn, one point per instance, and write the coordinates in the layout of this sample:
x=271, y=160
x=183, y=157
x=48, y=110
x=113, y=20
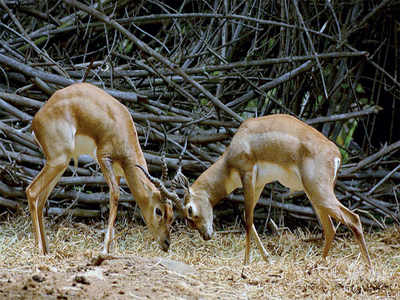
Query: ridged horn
x=179, y=178
x=165, y=194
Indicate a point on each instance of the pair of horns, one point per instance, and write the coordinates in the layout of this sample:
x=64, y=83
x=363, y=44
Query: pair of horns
x=178, y=180
x=165, y=193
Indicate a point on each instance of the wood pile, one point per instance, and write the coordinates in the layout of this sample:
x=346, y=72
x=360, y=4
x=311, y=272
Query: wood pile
x=192, y=72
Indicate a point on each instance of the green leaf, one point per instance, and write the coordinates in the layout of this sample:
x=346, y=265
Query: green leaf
x=345, y=155
x=251, y=103
x=271, y=43
x=203, y=101
x=349, y=136
x=359, y=88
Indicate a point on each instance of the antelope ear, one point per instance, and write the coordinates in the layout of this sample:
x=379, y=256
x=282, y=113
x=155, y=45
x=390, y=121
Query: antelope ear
x=190, y=191
x=189, y=196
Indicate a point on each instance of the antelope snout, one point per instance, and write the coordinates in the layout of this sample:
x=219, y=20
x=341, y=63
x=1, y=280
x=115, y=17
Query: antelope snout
x=207, y=232
x=164, y=244
x=206, y=236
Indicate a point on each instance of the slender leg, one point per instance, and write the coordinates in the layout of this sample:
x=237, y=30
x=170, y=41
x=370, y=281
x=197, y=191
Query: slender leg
x=42, y=201
x=346, y=217
x=318, y=179
x=333, y=208
x=113, y=183
x=326, y=206
x=352, y=220
x=259, y=244
x=37, y=193
x=328, y=228
x=249, y=203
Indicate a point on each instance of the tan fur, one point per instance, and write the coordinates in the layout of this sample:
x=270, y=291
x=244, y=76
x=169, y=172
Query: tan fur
x=83, y=119
x=266, y=149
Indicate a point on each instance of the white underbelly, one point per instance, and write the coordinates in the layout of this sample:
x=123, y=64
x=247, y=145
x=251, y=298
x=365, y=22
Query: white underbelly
x=84, y=145
x=269, y=172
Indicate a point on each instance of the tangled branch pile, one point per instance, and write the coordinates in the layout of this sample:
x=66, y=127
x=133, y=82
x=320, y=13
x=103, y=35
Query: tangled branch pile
x=194, y=70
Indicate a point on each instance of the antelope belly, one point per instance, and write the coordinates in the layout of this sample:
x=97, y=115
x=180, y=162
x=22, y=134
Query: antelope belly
x=84, y=145
x=287, y=176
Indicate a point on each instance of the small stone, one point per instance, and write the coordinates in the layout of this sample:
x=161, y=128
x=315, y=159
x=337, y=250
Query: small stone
x=38, y=278
x=81, y=279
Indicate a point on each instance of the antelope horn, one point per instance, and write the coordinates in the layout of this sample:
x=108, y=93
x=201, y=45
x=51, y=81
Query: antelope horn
x=179, y=178
x=163, y=190
x=164, y=168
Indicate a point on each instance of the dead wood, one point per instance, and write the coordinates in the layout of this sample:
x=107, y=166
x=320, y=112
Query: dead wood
x=195, y=72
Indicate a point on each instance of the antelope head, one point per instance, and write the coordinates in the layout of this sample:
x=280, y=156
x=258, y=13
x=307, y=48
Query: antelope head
x=167, y=197
x=158, y=216
x=198, y=212
x=197, y=208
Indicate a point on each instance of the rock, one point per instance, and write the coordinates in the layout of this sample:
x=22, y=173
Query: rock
x=177, y=267
x=38, y=278
x=81, y=279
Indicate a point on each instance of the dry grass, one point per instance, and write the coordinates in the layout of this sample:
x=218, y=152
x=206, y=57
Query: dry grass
x=295, y=269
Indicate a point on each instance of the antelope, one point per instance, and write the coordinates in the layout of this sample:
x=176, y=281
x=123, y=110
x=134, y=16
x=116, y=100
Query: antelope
x=83, y=119
x=266, y=149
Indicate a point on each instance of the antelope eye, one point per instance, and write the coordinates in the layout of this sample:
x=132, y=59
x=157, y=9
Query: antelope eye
x=190, y=211
x=158, y=212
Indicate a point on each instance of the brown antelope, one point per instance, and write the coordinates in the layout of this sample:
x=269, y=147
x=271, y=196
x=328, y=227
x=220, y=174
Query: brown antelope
x=273, y=148
x=83, y=119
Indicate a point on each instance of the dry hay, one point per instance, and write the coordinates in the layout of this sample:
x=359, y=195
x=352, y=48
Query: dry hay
x=192, y=269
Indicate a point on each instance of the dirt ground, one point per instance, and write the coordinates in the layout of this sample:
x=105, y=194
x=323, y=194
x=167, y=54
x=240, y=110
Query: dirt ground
x=128, y=278
x=192, y=269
